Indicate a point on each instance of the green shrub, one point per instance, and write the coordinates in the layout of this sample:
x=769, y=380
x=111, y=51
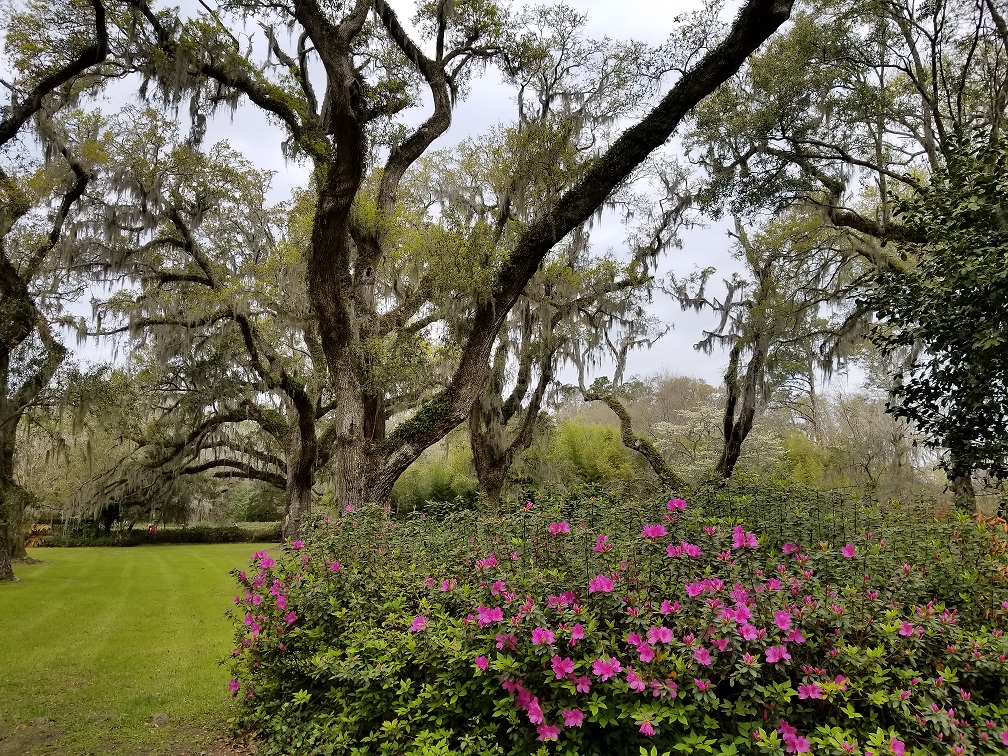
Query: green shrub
x=463, y=636
x=264, y=533
x=445, y=481
x=254, y=501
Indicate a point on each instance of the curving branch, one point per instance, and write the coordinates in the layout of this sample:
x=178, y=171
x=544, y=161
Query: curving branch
x=755, y=23
x=91, y=55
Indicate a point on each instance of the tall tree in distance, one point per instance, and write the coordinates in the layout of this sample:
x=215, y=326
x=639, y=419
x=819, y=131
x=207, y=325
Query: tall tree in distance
x=337, y=90
x=790, y=312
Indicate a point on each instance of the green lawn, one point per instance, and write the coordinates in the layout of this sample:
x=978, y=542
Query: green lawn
x=116, y=650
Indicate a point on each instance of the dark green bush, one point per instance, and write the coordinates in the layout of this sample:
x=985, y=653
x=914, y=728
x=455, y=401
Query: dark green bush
x=265, y=533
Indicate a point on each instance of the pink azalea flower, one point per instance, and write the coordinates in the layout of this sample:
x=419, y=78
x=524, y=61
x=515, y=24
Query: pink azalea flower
x=281, y=602
x=297, y=545
x=562, y=666
x=482, y=662
x=572, y=717
x=233, y=686
x=813, y=690
x=747, y=631
x=290, y=618
x=849, y=551
x=447, y=585
x=702, y=655
x=508, y=640
x=548, y=732
x=556, y=528
x=676, y=504
x=775, y=654
x=738, y=537
x=634, y=681
x=800, y=745
x=906, y=629
x=659, y=634
x=1004, y=737
x=577, y=633
x=582, y=684
x=782, y=619
x=349, y=508
x=654, y=531
x=795, y=636
x=633, y=639
x=606, y=668
x=511, y=686
x=335, y=567
x=668, y=607
x=898, y=746
x=702, y=685
x=790, y=548
x=535, y=712
x=541, y=636
x=419, y=623
x=691, y=549
x=646, y=653
x=602, y=544
x=646, y=728
x=600, y=584
x=721, y=643
x=488, y=616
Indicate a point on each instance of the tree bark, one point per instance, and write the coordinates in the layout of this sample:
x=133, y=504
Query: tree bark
x=737, y=429
x=493, y=454
x=963, y=493
x=302, y=457
x=11, y=496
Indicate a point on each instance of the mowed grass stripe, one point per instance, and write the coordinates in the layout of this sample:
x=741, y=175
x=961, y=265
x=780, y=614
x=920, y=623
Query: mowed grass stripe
x=100, y=641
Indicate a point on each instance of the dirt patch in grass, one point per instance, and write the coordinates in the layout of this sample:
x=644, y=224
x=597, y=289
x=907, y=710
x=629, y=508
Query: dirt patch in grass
x=39, y=734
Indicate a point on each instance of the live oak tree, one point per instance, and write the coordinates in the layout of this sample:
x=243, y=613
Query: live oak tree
x=570, y=91
x=218, y=307
x=336, y=91
x=50, y=47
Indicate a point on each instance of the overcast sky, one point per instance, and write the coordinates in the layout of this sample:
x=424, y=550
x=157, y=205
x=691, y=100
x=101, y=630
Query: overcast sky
x=489, y=103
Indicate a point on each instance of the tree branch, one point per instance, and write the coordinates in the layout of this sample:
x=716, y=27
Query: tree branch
x=90, y=56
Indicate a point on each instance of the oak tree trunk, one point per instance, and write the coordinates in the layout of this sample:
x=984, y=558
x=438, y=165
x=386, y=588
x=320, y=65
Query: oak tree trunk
x=11, y=495
x=11, y=503
x=301, y=458
x=737, y=427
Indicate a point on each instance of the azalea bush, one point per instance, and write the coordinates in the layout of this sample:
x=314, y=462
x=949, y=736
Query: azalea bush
x=623, y=630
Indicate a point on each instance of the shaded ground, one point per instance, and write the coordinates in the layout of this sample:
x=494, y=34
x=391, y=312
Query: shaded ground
x=115, y=652
x=41, y=736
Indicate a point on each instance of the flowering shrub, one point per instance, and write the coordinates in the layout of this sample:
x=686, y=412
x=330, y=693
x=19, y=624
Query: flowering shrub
x=669, y=630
